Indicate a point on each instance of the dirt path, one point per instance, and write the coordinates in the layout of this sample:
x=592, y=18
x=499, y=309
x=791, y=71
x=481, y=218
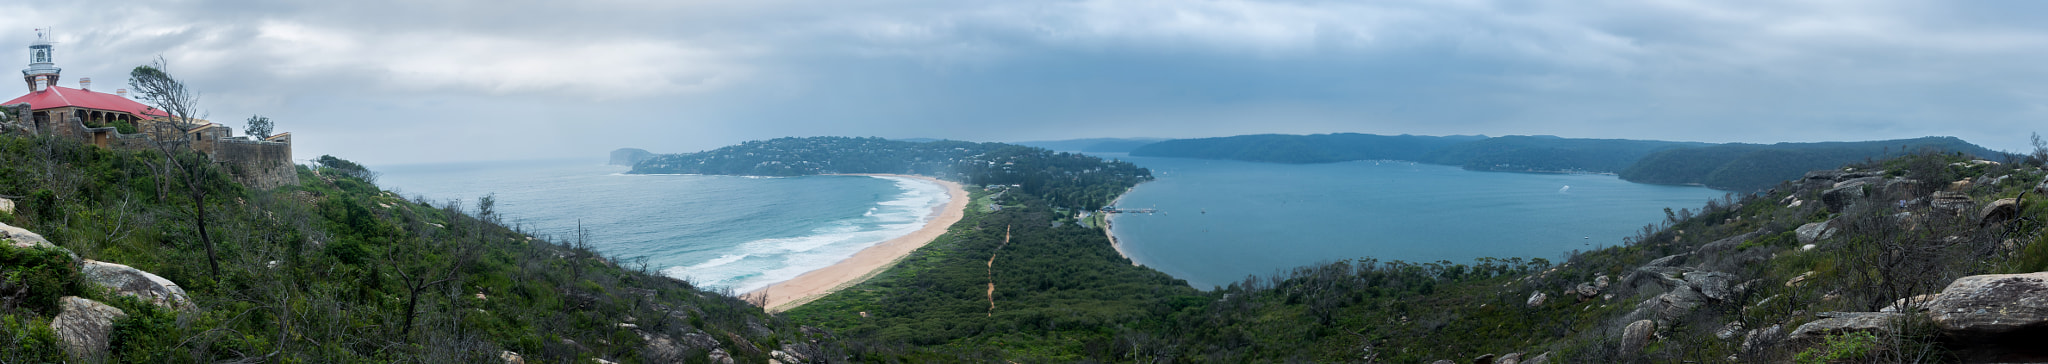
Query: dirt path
x=992, y=272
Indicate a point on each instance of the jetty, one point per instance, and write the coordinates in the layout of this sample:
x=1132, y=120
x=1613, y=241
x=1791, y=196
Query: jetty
x=1115, y=210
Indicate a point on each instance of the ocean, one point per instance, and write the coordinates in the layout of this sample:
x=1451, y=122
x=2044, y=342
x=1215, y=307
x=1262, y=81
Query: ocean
x=740, y=233
x=1220, y=221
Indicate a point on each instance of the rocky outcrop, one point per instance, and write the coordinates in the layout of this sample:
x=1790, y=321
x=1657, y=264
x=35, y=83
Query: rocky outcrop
x=1543, y=358
x=1992, y=304
x=128, y=281
x=24, y=239
x=1998, y=211
x=1813, y=232
x=83, y=326
x=1762, y=338
x=1843, y=194
x=6, y=205
x=1836, y=323
x=1636, y=336
x=1950, y=201
x=1537, y=299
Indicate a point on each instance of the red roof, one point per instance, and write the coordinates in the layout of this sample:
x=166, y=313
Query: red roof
x=57, y=97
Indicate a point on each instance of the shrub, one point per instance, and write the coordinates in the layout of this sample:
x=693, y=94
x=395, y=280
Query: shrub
x=35, y=278
x=1840, y=348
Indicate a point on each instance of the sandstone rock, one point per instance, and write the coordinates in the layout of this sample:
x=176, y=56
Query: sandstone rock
x=2041, y=188
x=1959, y=185
x=1667, y=261
x=1950, y=201
x=83, y=326
x=1998, y=211
x=661, y=349
x=1760, y=339
x=1992, y=304
x=1543, y=358
x=1636, y=336
x=1713, y=285
x=1586, y=291
x=1537, y=299
x=22, y=238
x=1443, y=361
x=6, y=205
x=1675, y=303
x=1729, y=331
x=1601, y=282
x=1869, y=180
x=1834, y=323
x=511, y=357
x=1510, y=358
x=1842, y=196
x=1483, y=359
x=1813, y=232
x=719, y=356
x=1914, y=304
x=128, y=281
x=1796, y=281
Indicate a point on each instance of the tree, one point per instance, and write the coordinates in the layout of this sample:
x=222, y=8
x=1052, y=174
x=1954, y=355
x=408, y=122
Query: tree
x=259, y=127
x=180, y=105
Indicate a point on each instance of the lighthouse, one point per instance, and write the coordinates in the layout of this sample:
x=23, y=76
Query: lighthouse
x=42, y=71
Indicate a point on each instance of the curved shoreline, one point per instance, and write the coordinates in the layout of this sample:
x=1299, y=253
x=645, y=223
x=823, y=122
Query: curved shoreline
x=866, y=263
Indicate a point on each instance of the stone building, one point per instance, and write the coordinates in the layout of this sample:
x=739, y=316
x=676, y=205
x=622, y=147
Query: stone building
x=99, y=118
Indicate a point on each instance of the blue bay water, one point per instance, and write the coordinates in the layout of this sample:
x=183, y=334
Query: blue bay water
x=741, y=233
x=1220, y=221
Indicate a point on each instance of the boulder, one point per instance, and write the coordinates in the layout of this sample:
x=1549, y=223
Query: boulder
x=1760, y=339
x=1729, y=331
x=511, y=357
x=1667, y=261
x=1713, y=285
x=1813, y=232
x=1636, y=336
x=1483, y=359
x=2041, y=188
x=1835, y=323
x=719, y=356
x=1586, y=291
x=1543, y=358
x=659, y=348
x=1537, y=299
x=1510, y=358
x=1992, y=304
x=83, y=326
x=1998, y=211
x=1842, y=196
x=6, y=205
x=24, y=239
x=128, y=281
x=1950, y=201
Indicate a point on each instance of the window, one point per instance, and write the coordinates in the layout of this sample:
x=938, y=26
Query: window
x=42, y=55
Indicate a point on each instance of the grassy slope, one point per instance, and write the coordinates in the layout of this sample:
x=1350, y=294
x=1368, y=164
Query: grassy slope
x=343, y=251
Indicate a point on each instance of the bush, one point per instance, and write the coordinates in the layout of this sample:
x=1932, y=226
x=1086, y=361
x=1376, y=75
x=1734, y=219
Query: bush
x=25, y=339
x=35, y=278
x=1840, y=348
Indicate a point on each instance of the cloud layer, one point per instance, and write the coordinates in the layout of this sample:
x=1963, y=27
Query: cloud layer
x=405, y=81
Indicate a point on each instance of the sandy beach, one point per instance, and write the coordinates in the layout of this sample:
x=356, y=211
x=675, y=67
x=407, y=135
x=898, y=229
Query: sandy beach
x=867, y=262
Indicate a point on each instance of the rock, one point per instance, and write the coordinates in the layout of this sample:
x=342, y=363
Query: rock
x=661, y=349
x=1601, y=282
x=1713, y=285
x=698, y=341
x=1998, y=211
x=1959, y=185
x=1795, y=281
x=1728, y=243
x=1636, y=336
x=2041, y=188
x=1992, y=304
x=1667, y=261
x=1443, y=361
x=1836, y=323
x=1915, y=304
x=83, y=326
x=127, y=281
x=1510, y=358
x=6, y=205
x=1543, y=358
x=1813, y=232
x=1950, y=201
x=511, y=357
x=1842, y=196
x=602, y=361
x=1675, y=303
x=1760, y=339
x=719, y=356
x=22, y=238
x=1729, y=331
x=797, y=353
x=1537, y=298
x=1586, y=291
x=1483, y=359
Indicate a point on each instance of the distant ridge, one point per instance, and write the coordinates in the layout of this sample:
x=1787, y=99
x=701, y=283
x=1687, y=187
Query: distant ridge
x=1093, y=145
x=1731, y=166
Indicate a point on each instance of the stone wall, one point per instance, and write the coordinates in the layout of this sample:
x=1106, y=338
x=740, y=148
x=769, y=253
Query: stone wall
x=258, y=164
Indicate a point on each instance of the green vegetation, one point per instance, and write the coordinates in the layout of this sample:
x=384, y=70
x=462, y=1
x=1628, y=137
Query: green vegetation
x=336, y=270
x=1066, y=180
x=1543, y=153
x=1754, y=167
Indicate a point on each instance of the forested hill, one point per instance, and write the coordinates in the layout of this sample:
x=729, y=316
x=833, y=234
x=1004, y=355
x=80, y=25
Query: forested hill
x=1733, y=166
x=1752, y=167
x=1317, y=148
x=1544, y=153
x=1068, y=180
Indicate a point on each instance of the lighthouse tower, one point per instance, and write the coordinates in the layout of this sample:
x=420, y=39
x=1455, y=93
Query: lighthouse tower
x=42, y=72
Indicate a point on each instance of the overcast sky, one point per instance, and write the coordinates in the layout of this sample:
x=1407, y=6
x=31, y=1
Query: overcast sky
x=394, y=82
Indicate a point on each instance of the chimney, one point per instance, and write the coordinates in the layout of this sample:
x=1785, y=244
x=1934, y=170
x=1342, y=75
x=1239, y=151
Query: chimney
x=85, y=83
x=42, y=83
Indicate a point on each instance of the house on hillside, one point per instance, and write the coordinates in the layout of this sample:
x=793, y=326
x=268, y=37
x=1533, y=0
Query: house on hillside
x=114, y=121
